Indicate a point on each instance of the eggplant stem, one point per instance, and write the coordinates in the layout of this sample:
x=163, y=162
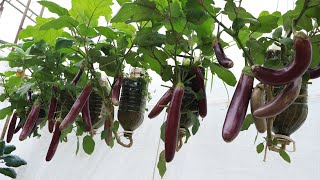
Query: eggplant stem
x=5, y=127
x=127, y=134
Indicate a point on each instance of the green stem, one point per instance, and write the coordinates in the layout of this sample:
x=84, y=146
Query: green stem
x=296, y=20
x=235, y=36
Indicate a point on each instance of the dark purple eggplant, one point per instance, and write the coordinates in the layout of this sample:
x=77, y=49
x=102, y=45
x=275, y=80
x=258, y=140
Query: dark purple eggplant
x=86, y=116
x=76, y=107
x=299, y=65
x=115, y=92
x=173, y=122
x=202, y=104
x=281, y=102
x=52, y=109
x=238, y=108
x=223, y=60
x=314, y=73
x=164, y=100
x=54, y=141
x=31, y=120
x=78, y=76
x=12, y=126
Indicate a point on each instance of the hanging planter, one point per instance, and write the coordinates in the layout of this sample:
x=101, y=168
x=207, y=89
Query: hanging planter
x=132, y=105
x=291, y=119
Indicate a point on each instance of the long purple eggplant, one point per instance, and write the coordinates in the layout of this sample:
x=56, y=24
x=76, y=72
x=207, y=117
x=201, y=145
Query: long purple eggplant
x=299, y=65
x=115, y=92
x=31, y=120
x=12, y=126
x=86, y=116
x=173, y=122
x=258, y=100
x=52, y=109
x=238, y=108
x=76, y=107
x=54, y=141
x=164, y=100
x=202, y=103
x=223, y=60
x=281, y=102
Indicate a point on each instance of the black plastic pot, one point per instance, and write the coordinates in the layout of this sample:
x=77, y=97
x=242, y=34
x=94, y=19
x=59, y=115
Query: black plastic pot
x=132, y=103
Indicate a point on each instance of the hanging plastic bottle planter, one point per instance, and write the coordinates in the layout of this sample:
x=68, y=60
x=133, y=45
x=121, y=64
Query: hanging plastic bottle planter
x=291, y=120
x=189, y=104
x=132, y=104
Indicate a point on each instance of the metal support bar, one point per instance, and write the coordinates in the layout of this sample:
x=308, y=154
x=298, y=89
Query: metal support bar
x=25, y=6
x=29, y=17
x=22, y=20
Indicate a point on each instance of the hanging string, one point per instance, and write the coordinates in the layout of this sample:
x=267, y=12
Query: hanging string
x=158, y=149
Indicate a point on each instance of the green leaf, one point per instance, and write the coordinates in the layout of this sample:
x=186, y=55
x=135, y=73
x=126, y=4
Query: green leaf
x=277, y=34
x=54, y=8
x=188, y=135
x=8, y=172
x=5, y=112
x=13, y=161
x=284, y=155
x=275, y=141
x=260, y=148
x=103, y=135
x=162, y=131
x=78, y=145
x=224, y=74
x=63, y=43
x=137, y=11
x=115, y=125
x=121, y=2
x=205, y=29
x=247, y=122
x=107, y=32
x=126, y=28
x=268, y=22
x=65, y=132
x=162, y=164
x=2, y=147
x=195, y=121
x=315, y=55
x=25, y=88
x=149, y=39
x=49, y=36
x=88, y=144
x=88, y=11
x=288, y=42
x=8, y=149
x=60, y=23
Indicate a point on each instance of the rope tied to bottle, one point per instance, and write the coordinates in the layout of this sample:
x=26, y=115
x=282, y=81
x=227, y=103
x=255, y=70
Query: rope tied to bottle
x=182, y=133
x=284, y=141
x=126, y=134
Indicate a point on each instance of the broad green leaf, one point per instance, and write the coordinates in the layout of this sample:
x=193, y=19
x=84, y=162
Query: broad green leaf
x=121, y=2
x=284, y=155
x=315, y=55
x=162, y=164
x=5, y=112
x=229, y=10
x=86, y=31
x=260, y=148
x=288, y=42
x=89, y=11
x=277, y=33
x=8, y=172
x=25, y=88
x=247, y=122
x=13, y=161
x=2, y=147
x=205, y=29
x=137, y=11
x=149, y=39
x=126, y=28
x=49, y=36
x=268, y=22
x=63, y=43
x=60, y=23
x=195, y=121
x=194, y=12
x=8, y=149
x=107, y=32
x=54, y=8
x=224, y=74
x=88, y=144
